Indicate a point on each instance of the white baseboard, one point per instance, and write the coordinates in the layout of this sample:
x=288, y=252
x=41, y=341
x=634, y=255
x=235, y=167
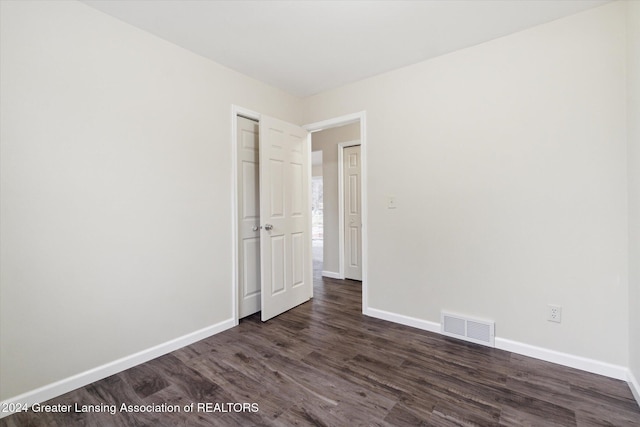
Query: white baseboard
x=84, y=378
x=332, y=275
x=570, y=360
x=402, y=319
x=634, y=385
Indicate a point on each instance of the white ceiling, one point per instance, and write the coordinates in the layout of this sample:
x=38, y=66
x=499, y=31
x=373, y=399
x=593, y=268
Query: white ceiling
x=306, y=47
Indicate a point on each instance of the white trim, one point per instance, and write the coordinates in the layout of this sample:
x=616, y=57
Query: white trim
x=341, y=244
x=92, y=375
x=309, y=204
x=335, y=122
x=332, y=275
x=341, y=121
x=365, y=217
x=235, y=111
x=634, y=385
x=414, y=322
x=565, y=359
x=578, y=362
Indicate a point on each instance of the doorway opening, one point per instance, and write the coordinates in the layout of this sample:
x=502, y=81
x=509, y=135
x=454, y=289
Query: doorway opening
x=341, y=238
x=332, y=137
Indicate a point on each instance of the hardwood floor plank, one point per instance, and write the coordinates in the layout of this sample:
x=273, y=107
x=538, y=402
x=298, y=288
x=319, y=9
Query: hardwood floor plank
x=402, y=416
x=145, y=380
x=362, y=402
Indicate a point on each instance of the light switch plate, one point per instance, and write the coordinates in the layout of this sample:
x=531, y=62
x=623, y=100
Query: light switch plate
x=391, y=202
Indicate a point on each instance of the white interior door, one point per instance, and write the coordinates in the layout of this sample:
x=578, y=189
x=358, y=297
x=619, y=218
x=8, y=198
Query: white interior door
x=248, y=217
x=352, y=192
x=285, y=241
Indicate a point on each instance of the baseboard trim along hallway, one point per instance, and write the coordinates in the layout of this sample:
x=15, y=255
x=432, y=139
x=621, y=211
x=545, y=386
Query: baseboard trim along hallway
x=590, y=365
x=331, y=275
x=82, y=379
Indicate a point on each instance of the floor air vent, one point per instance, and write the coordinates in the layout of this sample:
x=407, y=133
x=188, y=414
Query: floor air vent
x=468, y=329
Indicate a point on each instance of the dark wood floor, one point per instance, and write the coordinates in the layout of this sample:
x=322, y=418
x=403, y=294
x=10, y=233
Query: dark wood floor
x=324, y=363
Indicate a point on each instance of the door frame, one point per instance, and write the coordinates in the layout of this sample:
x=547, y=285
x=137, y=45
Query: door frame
x=360, y=117
x=341, y=236
x=235, y=261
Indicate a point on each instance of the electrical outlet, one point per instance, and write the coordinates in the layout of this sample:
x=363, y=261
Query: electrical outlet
x=555, y=313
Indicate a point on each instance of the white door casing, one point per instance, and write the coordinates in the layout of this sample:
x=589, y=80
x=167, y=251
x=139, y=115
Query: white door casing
x=248, y=217
x=285, y=240
x=352, y=193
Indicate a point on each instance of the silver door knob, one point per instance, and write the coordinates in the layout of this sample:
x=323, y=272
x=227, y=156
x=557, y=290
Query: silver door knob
x=256, y=228
x=268, y=227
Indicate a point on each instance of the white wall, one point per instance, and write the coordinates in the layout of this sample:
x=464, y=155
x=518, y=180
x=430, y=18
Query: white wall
x=327, y=141
x=633, y=119
x=508, y=161
x=116, y=190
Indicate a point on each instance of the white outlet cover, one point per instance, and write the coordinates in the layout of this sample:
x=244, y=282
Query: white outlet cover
x=554, y=313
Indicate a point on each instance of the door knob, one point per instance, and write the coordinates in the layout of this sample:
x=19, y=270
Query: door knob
x=268, y=227
x=256, y=227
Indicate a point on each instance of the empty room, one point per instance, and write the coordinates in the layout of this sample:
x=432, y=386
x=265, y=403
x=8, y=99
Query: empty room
x=334, y=213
